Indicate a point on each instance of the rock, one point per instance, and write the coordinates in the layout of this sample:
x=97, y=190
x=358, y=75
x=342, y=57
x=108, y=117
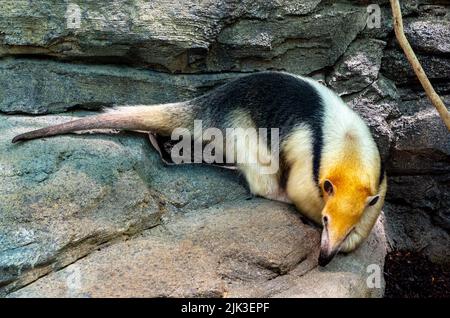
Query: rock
x=429, y=193
x=49, y=87
x=414, y=100
x=429, y=35
x=242, y=248
x=413, y=229
x=137, y=268
x=346, y=278
x=299, y=45
x=191, y=36
x=358, y=67
x=162, y=33
x=61, y=198
x=422, y=142
x=435, y=11
x=396, y=67
x=418, y=213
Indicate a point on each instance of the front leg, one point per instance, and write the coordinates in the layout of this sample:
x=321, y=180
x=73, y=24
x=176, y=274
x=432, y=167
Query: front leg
x=278, y=196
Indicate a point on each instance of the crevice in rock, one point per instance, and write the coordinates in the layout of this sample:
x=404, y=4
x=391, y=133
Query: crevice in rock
x=63, y=259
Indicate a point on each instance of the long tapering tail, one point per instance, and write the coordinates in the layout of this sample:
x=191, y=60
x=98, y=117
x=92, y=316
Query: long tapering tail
x=157, y=118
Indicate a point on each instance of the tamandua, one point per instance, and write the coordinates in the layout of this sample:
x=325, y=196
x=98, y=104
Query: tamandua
x=330, y=167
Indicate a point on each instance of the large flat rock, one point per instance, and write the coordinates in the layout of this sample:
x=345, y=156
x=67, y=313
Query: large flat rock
x=61, y=198
x=254, y=248
x=187, y=36
x=42, y=86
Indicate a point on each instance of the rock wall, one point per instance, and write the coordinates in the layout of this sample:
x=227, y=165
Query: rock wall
x=106, y=205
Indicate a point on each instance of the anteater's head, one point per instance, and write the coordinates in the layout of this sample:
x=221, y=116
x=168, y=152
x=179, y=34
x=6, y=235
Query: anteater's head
x=350, y=211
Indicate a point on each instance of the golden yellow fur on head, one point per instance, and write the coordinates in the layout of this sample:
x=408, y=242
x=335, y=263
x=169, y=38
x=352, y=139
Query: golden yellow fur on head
x=344, y=207
x=352, y=185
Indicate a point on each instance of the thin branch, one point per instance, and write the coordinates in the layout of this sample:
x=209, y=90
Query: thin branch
x=412, y=58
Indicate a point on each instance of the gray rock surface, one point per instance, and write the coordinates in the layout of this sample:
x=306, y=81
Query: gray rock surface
x=61, y=198
x=192, y=36
x=239, y=249
x=428, y=35
x=358, y=67
x=41, y=87
x=397, y=68
x=419, y=186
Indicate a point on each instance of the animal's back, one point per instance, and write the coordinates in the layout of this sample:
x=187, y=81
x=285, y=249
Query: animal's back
x=270, y=99
x=287, y=102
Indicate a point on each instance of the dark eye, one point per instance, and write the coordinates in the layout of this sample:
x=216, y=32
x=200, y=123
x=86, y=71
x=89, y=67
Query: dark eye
x=328, y=187
x=325, y=220
x=374, y=200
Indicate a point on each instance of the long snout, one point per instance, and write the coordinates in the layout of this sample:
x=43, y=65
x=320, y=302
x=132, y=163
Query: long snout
x=327, y=249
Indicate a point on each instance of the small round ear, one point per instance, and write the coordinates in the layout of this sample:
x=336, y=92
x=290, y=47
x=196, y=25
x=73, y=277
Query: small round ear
x=328, y=187
x=373, y=200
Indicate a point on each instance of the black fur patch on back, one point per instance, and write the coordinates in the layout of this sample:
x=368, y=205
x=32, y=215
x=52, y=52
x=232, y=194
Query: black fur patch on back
x=273, y=100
